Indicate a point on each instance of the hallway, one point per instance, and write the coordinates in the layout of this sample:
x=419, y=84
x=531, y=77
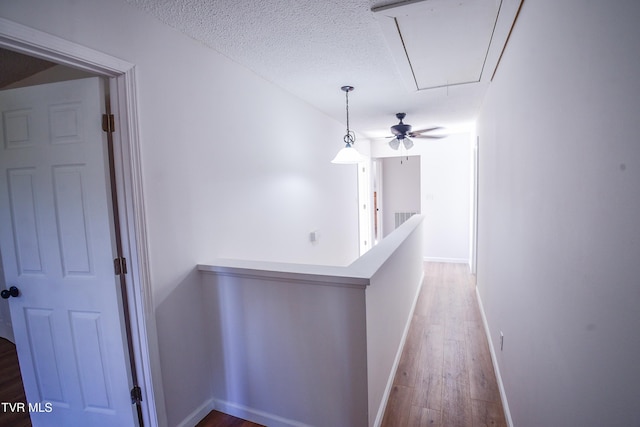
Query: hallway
x=445, y=376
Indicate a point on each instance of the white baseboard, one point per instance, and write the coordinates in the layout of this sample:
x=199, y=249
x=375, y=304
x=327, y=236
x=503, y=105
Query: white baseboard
x=197, y=415
x=396, y=361
x=255, y=415
x=494, y=360
x=451, y=260
x=240, y=411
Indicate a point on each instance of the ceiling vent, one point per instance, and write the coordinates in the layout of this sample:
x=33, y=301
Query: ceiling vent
x=438, y=43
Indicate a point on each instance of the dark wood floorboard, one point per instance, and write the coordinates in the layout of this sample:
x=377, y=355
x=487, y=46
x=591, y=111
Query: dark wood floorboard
x=11, y=388
x=218, y=419
x=445, y=376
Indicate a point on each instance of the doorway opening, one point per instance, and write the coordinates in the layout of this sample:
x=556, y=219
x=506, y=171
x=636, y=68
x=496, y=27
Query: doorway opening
x=400, y=186
x=58, y=236
x=120, y=75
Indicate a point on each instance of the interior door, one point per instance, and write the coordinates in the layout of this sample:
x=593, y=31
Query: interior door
x=56, y=240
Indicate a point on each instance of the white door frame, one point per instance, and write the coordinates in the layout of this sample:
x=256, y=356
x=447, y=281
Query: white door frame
x=121, y=75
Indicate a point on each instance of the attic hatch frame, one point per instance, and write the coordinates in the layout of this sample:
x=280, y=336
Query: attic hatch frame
x=128, y=187
x=388, y=15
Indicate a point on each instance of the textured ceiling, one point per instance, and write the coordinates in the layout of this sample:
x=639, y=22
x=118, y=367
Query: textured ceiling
x=311, y=48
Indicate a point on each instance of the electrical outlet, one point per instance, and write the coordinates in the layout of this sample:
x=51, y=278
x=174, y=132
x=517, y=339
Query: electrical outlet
x=501, y=340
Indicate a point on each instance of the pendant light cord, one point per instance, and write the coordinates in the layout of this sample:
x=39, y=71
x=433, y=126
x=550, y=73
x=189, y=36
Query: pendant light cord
x=346, y=94
x=350, y=137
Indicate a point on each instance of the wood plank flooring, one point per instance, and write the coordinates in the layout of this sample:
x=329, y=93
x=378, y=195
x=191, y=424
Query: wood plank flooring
x=11, y=388
x=445, y=377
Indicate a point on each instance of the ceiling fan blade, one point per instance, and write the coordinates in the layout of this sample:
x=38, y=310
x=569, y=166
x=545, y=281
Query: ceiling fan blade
x=427, y=129
x=429, y=136
x=407, y=143
x=394, y=143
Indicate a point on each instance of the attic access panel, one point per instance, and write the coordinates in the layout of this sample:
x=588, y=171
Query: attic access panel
x=438, y=43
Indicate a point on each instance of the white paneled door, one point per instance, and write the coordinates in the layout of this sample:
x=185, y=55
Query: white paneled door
x=56, y=239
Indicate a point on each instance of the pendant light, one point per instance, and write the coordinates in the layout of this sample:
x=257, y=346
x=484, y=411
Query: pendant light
x=348, y=154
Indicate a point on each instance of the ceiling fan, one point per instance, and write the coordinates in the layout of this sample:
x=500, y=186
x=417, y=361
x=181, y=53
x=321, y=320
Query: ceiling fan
x=401, y=133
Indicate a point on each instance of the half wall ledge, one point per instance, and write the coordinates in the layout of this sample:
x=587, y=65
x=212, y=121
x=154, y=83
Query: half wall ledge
x=356, y=274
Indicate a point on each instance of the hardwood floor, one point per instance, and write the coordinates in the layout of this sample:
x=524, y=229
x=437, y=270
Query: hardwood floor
x=11, y=388
x=445, y=377
x=218, y=419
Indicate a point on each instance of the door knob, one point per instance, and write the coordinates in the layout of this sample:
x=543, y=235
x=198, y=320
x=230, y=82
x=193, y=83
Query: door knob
x=11, y=292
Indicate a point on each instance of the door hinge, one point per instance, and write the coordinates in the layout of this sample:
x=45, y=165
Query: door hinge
x=120, y=266
x=136, y=394
x=108, y=123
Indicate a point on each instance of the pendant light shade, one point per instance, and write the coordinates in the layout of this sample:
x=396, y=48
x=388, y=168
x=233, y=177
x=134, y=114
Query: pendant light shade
x=348, y=154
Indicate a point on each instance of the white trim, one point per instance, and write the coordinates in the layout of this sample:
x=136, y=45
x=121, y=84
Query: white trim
x=36, y=43
x=396, y=362
x=494, y=360
x=475, y=159
x=134, y=237
x=240, y=411
x=255, y=415
x=389, y=28
x=198, y=414
x=449, y=260
x=322, y=275
x=32, y=42
x=387, y=16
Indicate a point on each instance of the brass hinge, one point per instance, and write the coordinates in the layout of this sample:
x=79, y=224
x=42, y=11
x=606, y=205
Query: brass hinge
x=136, y=394
x=120, y=266
x=108, y=123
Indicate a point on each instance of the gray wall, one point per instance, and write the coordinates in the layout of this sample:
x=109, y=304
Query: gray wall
x=559, y=214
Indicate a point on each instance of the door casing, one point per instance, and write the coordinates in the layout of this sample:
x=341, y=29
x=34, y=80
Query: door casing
x=121, y=76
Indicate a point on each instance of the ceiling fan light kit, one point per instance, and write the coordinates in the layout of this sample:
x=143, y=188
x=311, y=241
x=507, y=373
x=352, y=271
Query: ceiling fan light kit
x=348, y=154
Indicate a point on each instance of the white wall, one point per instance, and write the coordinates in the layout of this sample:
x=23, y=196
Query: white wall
x=445, y=191
x=559, y=205
x=446, y=196
x=400, y=189
x=221, y=177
